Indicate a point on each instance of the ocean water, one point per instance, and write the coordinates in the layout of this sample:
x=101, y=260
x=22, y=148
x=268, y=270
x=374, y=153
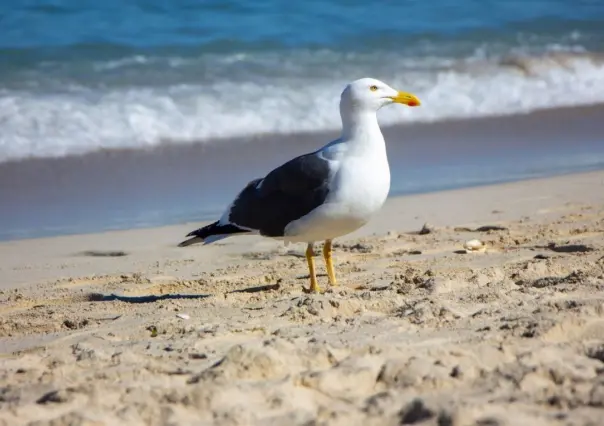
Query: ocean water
x=77, y=76
x=510, y=90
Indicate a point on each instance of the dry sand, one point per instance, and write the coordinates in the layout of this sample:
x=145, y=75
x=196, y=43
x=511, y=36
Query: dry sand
x=125, y=328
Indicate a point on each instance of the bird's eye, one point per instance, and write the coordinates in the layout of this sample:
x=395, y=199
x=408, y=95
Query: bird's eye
x=373, y=88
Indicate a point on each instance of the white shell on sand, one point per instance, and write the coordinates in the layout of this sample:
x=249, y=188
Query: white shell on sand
x=474, y=246
x=183, y=316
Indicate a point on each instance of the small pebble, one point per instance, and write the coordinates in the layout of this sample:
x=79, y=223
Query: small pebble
x=426, y=229
x=474, y=246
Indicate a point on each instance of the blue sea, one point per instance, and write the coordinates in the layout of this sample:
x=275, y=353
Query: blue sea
x=87, y=77
x=80, y=75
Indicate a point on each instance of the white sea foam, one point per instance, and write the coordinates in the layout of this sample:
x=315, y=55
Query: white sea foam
x=80, y=119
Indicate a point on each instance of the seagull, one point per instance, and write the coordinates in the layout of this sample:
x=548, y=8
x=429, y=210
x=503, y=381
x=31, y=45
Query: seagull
x=324, y=194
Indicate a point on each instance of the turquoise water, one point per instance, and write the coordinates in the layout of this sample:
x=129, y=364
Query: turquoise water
x=255, y=83
x=80, y=75
x=267, y=25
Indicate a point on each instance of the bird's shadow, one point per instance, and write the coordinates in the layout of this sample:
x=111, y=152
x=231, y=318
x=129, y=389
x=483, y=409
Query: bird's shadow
x=99, y=297
x=257, y=289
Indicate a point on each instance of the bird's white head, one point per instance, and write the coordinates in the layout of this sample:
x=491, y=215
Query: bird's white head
x=369, y=94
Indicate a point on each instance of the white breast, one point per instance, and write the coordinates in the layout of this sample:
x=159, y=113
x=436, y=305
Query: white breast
x=361, y=185
x=358, y=190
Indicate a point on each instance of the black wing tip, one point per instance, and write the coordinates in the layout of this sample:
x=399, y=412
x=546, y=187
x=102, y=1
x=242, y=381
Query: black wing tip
x=200, y=235
x=190, y=241
x=195, y=238
x=199, y=231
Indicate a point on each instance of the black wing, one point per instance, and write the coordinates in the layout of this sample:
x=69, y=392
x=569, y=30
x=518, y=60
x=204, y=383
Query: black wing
x=285, y=194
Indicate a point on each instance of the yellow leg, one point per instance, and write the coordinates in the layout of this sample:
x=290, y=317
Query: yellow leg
x=314, y=286
x=328, y=263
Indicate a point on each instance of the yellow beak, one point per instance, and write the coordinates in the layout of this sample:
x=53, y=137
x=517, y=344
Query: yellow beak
x=406, y=99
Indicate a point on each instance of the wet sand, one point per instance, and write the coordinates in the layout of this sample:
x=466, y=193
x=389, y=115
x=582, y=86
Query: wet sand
x=125, y=328
x=122, y=189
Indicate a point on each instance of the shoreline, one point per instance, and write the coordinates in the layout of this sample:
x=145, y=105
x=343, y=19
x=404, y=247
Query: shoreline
x=457, y=207
x=168, y=144
x=179, y=183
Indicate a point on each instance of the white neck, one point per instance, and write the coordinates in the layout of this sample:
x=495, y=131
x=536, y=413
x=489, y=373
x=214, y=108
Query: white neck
x=361, y=128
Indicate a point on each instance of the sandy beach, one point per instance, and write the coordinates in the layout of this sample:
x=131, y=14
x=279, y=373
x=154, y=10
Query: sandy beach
x=125, y=328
